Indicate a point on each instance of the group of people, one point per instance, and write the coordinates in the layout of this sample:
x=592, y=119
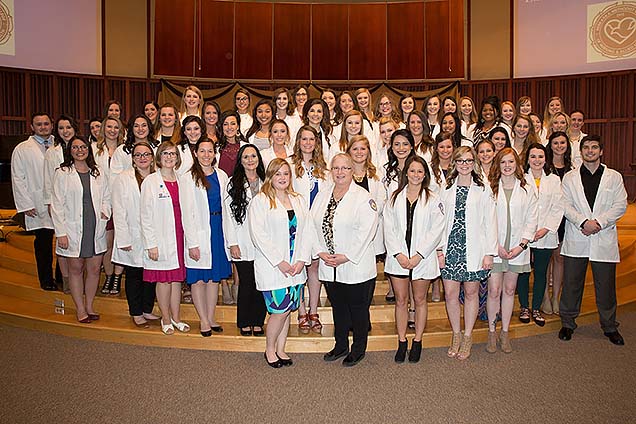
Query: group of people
x=311, y=191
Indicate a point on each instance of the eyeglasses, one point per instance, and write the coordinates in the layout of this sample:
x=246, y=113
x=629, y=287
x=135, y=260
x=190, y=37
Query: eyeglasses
x=465, y=161
x=169, y=154
x=301, y=94
x=385, y=104
x=80, y=147
x=242, y=99
x=340, y=168
x=144, y=155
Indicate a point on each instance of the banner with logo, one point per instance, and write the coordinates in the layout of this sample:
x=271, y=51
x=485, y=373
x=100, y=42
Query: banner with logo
x=7, y=32
x=611, y=31
x=559, y=37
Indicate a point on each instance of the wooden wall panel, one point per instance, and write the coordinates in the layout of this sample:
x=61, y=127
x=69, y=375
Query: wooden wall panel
x=405, y=48
x=595, y=89
x=94, y=97
x=443, y=24
x=42, y=98
x=174, y=37
x=367, y=41
x=69, y=98
x=253, y=41
x=292, y=41
x=330, y=42
x=215, y=59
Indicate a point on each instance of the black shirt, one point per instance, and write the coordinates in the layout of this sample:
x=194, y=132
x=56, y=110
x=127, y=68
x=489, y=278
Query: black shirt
x=590, y=183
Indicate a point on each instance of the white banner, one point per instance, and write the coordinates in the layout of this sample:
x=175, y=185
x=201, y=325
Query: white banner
x=611, y=31
x=7, y=29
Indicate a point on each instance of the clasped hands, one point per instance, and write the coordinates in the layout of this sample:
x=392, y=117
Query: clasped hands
x=333, y=260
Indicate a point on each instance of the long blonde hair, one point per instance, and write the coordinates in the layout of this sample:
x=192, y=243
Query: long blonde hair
x=317, y=158
x=267, y=189
x=344, y=137
x=368, y=165
x=101, y=138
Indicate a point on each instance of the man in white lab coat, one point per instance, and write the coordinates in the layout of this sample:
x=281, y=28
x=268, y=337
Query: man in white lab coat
x=594, y=199
x=27, y=180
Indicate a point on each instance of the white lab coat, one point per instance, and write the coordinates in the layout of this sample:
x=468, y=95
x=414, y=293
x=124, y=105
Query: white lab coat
x=427, y=234
x=187, y=160
x=577, y=160
x=354, y=227
x=378, y=194
x=157, y=223
x=609, y=206
x=236, y=234
x=246, y=122
x=269, y=155
x=27, y=182
x=549, y=209
x=53, y=158
x=103, y=161
x=195, y=215
x=523, y=219
x=67, y=210
x=481, y=223
x=126, y=196
x=121, y=161
x=269, y=230
x=302, y=185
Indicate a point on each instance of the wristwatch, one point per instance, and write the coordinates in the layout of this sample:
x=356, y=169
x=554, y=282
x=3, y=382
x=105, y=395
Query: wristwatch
x=524, y=246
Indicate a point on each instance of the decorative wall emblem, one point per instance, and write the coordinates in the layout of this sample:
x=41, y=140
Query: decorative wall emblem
x=6, y=23
x=613, y=30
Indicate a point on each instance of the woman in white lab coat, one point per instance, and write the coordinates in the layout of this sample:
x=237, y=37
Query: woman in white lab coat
x=244, y=185
x=309, y=177
x=316, y=115
x=545, y=240
x=281, y=229
x=202, y=190
x=469, y=246
x=351, y=126
x=111, y=136
x=128, y=247
x=516, y=204
x=413, y=228
x=192, y=130
x=64, y=129
x=280, y=145
x=80, y=208
x=163, y=237
x=345, y=219
x=140, y=129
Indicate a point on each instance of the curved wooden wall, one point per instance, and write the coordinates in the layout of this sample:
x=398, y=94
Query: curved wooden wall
x=309, y=41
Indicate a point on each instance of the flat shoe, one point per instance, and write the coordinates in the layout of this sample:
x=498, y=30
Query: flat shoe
x=332, y=355
x=258, y=332
x=206, y=333
x=143, y=324
x=181, y=326
x=276, y=364
x=217, y=329
x=151, y=317
x=286, y=362
x=167, y=329
x=94, y=317
x=352, y=359
x=616, y=338
x=86, y=320
x=247, y=332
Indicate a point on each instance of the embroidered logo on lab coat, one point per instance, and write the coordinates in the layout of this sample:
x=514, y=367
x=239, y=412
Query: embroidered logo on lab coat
x=373, y=205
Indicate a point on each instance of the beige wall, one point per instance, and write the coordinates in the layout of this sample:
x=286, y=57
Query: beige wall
x=490, y=39
x=125, y=38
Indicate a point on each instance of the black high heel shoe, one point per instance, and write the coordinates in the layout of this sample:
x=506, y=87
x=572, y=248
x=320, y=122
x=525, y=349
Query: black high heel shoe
x=116, y=284
x=275, y=364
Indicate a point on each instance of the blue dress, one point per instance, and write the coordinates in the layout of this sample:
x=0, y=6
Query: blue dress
x=221, y=267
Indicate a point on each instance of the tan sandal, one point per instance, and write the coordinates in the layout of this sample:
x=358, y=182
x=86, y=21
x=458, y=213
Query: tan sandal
x=454, y=347
x=303, y=324
x=316, y=325
x=464, y=349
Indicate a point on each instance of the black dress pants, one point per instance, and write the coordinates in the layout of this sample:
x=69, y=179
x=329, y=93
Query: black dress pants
x=43, y=247
x=140, y=294
x=250, y=305
x=350, y=307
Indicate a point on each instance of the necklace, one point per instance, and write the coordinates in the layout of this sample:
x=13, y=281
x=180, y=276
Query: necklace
x=359, y=179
